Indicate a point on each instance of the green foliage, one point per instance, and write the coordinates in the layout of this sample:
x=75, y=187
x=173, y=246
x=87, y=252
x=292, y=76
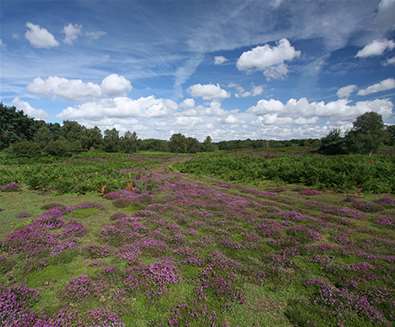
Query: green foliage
x=345, y=173
x=390, y=134
x=25, y=149
x=333, y=143
x=111, y=140
x=129, y=142
x=87, y=172
x=15, y=126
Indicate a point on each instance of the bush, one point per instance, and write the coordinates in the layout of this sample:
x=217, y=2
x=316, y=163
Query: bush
x=26, y=149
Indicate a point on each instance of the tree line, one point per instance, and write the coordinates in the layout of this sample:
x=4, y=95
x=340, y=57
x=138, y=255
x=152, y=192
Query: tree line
x=24, y=136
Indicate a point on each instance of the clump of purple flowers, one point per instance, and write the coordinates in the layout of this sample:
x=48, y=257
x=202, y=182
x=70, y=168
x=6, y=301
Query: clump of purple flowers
x=105, y=318
x=10, y=187
x=385, y=221
x=14, y=306
x=163, y=273
x=79, y=288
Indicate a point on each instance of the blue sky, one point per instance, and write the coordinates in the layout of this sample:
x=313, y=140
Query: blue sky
x=230, y=69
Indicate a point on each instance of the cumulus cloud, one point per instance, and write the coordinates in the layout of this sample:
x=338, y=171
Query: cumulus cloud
x=71, y=33
x=345, y=91
x=341, y=109
x=271, y=118
x=71, y=89
x=208, y=91
x=28, y=109
x=384, y=85
x=115, y=84
x=390, y=61
x=269, y=59
x=39, y=37
x=219, y=60
x=241, y=92
x=119, y=107
x=76, y=89
x=385, y=4
x=375, y=48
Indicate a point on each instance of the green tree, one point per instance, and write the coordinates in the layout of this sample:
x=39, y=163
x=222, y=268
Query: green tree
x=367, y=134
x=15, y=126
x=178, y=143
x=43, y=136
x=390, y=129
x=333, y=143
x=193, y=145
x=91, y=138
x=111, y=140
x=208, y=145
x=129, y=142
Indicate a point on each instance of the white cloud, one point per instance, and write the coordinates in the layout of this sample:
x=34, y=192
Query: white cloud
x=71, y=33
x=146, y=107
x=385, y=4
x=390, y=61
x=241, y=92
x=375, y=48
x=384, y=85
x=155, y=117
x=28, y=109
x=188, y=103
x=95, y=35
x=269, y=59
x=76, y=89
x=115, y=84
x=71, y=89
x=219, y=60
x=345, y=91
x=341, y=109
x=208, y=91
x=39, y=37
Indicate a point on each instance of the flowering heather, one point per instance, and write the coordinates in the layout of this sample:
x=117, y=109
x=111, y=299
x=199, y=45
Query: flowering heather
x=163, y=273
x=386, y=201
x=62, y=246
x=51, y=219
x=14, y=306
x=130, y=253
x=292, y=215
x=102, y=317
x=79, y=288
x=385, y=221
x=351, y=213
x=30, y=240
x=73, y=229
x=11, y=187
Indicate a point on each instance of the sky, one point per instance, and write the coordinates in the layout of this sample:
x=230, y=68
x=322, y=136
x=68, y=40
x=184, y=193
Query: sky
x=231, y=69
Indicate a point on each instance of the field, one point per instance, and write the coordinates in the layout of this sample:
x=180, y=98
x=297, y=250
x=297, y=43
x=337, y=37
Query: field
x=218, y=239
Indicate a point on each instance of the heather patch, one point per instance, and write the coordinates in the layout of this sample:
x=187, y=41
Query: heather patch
x=199, y=253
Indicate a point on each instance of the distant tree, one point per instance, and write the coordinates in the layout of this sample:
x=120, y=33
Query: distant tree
x=178, y=143
x=129, y=142
x=367, y=134
x=43, y=136
x=153, y=145
x=208, y=145
x=390, y=129
x=91, y=139
x=15, y=126
x=192, y=145
x=111, y=140
x=333, y=143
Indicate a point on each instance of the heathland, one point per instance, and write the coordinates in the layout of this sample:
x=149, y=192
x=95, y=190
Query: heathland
x=264, y=237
